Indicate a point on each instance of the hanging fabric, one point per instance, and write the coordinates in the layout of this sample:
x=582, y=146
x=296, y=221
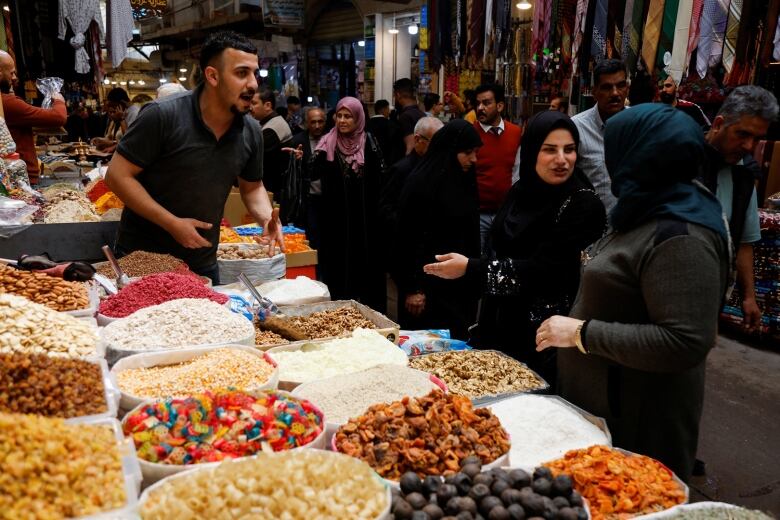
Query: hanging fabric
x=9, y=35
x=693, y=31
x=503, y=19
x=666, y=39
x=567, y=23
x=489, y=30
x=537, y=38
x=578, y=31
x=615, y=15
x=476, y=30
x=599, y=41
x=748, y=45
x=776, y=42
x=680, y=45
x=633, y=24
x=773, y=22
x=119, y=27
x=445, y=29
x=732, y=31
x=95, y=54
x=712, y=28
x=459, y=46
x=546, y=16
x=79, y=13
x=652, y=34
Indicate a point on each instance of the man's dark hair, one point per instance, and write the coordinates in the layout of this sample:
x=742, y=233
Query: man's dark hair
x=142, y=98
x=404, y=87
x=219, y=41
x=429, y=100
x=610, y=66
x=471, y=97
x=293, y=100
x=497, y=90
x=380, y=105
x=282, y=111
x=117, y=94
x=266, y=95
x=563, y=104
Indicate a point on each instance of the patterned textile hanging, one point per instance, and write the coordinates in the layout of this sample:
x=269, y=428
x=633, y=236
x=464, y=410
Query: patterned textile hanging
x=79, y=14
x=578, y=31
x=503, y=31
x=712, y=28
x=476, y=30
x=748, y=45
x=444, y=29
x=693, y=30
x=652, y=34
x=119, y=28
x=633, y=26
x=599, y=43
x=773, y=22
x=680, y=46
x=666, y=40
x=732, y=31
x=490, y=34
x=567, y=19
x=9, y=35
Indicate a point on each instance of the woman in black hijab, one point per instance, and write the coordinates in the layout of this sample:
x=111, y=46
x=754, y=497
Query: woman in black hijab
x=439, y=211
x=550, y=215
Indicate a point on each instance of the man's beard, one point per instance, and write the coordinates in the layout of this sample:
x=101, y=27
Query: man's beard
x=5, y=86
x=666, y=97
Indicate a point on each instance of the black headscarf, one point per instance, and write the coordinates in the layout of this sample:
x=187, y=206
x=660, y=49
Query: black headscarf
x=530, y=197
x=653, y=152
x=442, y=156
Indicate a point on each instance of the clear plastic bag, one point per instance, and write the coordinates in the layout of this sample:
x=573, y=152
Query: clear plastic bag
x=7, y=144
x=48, y=86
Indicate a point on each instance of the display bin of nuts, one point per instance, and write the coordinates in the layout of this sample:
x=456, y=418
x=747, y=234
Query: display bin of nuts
x=708, y=511
x=298, y=485
x=207, y=440
x=96, y=461
x=158, y=375
x=329, y=320
x=78, y=390
x=93, y=293
x=483, y=375
x=74, y=298
x=250, y=259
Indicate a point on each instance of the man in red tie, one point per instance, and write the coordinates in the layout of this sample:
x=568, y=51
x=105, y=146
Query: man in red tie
x=498, y=160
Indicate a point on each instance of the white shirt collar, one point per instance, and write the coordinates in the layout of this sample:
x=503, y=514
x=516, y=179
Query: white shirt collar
x=486, y=128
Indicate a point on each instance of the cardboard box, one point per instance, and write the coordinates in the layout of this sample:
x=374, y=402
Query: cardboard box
x=235, y=212
x=302, y=258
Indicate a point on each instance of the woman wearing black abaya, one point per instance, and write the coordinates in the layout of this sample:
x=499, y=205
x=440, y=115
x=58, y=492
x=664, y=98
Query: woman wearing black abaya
x=550, y=215
x=439, y=211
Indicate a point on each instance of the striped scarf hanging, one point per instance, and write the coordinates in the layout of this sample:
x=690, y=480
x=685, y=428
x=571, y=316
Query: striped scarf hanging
x=712, y=28
x=680, y=46
x=476, y=30
x=732, y=31
x=599, y=43
x=632, y=31
x=693, y=31
x=578, y=30
x=652, y=34
x=666, y=40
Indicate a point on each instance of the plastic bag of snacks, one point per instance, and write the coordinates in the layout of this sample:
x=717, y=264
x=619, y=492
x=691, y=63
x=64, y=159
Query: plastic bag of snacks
x=16, y=172
x=416, y=342
x=48, y=86
x=7, y=144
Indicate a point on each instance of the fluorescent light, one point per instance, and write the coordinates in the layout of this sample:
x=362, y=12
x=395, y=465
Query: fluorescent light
x=182, y=78
x=412, y=29
x=524, y=5
x=132, y=82
x=182, y=69
x=263, y=73
x=106, y=81
x=123, y=83
x=309, y=99
x=141, y=82
x=393, y=31
x=362, y=43
x=113, y=82
x=163, y=80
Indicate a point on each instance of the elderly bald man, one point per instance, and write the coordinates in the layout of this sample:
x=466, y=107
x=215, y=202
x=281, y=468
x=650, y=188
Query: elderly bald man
x=21, y=117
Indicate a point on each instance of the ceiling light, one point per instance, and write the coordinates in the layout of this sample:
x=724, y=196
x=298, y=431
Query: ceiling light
x=182, y=69
x=163, y=80
x=182, y=78
x=132, y=82
x=524, y=5
x=6, y=9
x=106, y=81
x=141, y=82
x=412, y=29
x=393, y=31
x=362, y=43
x=309, y=99
x=113, y=82
x=263, y=73
x=123, y=83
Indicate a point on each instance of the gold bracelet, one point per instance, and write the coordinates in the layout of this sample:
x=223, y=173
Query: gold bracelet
x=578, y=338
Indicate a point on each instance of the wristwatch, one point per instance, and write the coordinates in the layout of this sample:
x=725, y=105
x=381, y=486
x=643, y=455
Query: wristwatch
x=578, y=337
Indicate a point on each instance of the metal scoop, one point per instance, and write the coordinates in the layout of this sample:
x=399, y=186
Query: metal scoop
x=121, y=278
x=267, y=307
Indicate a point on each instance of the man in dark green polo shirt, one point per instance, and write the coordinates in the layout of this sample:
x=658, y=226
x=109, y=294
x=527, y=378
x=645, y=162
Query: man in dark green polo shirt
x=177, y=163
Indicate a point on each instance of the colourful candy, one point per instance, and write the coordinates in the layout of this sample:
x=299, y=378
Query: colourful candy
x=215, y=426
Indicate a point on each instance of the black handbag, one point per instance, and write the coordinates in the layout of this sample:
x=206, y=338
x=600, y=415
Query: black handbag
x=292, y=193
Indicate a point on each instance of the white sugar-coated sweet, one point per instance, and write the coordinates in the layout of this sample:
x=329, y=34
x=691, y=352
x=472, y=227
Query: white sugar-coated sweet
x=543, y=429
x=364, y=349
x=178, y=323
x=341, y=398
x=285, y=292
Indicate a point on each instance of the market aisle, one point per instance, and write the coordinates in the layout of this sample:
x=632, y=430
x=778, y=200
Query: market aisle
x=740, y=439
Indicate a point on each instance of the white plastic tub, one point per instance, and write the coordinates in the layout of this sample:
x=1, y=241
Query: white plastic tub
x=154, y=471
x=172, y=357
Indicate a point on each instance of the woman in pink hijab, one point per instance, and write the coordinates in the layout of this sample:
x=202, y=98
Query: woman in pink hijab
x=349, y=164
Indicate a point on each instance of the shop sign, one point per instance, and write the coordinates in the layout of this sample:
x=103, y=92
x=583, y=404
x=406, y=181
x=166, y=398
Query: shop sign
x=158, y=5
x=283, y=13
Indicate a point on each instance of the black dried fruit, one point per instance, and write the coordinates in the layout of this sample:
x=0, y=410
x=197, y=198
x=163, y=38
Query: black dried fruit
x=519, y=478
x=483, y=478
x=516, y=512
x=488, y=503
x=533, y=504
x=420, y=515
x=479, y=491
x=499, y=513
x=499, y=486
x=453, y=506
x=464, y=515
x=500, y=473
x=575, y=499
x=562, y=486
x=445, y=493
x=411, y=483
x=561, y=502
x=468, y=504
x=542, y=472
x=471, y=470
x=510, y=496
x=581, y=513
x=462, y=482
x=402, y=510
x=567, y=513
x=434, y=511
x=542, y=486
x=431, y=484
x=471, y=459
x=416, y=500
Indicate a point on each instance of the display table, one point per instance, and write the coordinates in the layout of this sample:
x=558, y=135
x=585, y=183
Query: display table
x=77, y=241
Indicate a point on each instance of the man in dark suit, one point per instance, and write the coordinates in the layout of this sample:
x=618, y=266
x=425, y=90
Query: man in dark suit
x=386, y=132
x=314, y=119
